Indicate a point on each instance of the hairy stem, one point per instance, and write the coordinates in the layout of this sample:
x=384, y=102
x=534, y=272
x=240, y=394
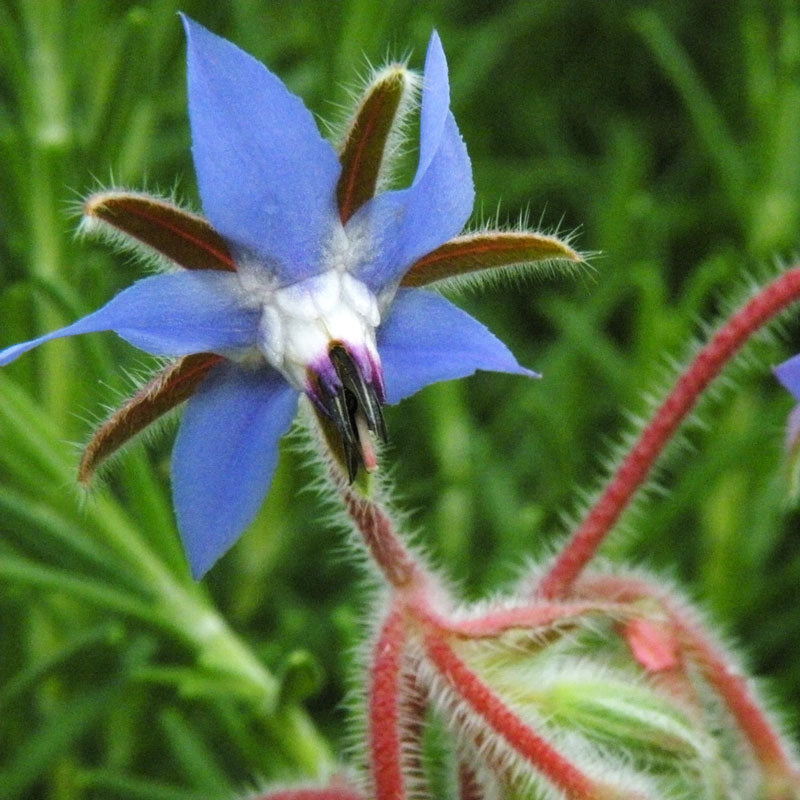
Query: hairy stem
x=534, y=749
x=413, y=711
x=734, y=689
x=728, y=340
x=534, y=617
x=395, y=561
x=385, y=736
x=468, y=786
x=322, y=793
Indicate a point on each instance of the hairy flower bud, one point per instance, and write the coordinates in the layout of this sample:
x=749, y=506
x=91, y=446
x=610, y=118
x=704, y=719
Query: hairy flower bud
x=631, y=699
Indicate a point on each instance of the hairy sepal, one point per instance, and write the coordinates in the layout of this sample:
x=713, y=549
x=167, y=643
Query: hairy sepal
x=183, y=238
x=167, y=389
x=489, y=251
x=632, y=731
x=372, y=137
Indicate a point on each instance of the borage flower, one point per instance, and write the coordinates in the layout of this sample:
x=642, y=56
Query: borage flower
x=302, y=281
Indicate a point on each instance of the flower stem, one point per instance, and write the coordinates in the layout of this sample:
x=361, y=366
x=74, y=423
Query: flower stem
x=734, y=689
x=322, y=793
x=468, y=786
x=395, y=561
x=534, y=617
x=386, y=748
x=728, y=340
x=535, y=750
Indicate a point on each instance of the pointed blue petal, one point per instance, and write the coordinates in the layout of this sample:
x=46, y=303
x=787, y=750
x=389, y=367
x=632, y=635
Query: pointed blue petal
x=169, y=315
x=427, y=339
x=267, y=178
x=435, y=102
x=788, y=373
x=224, y=456
x=405, y=225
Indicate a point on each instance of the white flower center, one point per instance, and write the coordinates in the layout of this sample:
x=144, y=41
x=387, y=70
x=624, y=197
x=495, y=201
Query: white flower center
x=300, y=321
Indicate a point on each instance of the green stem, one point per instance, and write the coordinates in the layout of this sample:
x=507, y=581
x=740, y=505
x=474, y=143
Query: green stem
x=50, y=141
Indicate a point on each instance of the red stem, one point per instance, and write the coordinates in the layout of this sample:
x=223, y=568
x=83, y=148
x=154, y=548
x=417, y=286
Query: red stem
x=535, y=749
x=535, y=617
x=396, y=562
x=468, y=786
x=413, y=711
x=584, y=543
x=385, y=735
x=322, y=793
x=734, y=689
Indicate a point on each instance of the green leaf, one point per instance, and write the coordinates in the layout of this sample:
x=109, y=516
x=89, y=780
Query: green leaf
x=193, y=756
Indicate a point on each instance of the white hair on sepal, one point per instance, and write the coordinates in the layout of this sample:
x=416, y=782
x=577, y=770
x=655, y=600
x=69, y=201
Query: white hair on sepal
x=398, y=143
x=91, y=227
x=135, y=379
x=338, y=126
x=521, y=273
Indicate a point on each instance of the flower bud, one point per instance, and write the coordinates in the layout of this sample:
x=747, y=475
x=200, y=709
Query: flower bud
x=622, y=701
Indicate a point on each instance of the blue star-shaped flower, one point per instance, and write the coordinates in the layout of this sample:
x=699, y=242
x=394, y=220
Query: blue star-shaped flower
x=285, y=292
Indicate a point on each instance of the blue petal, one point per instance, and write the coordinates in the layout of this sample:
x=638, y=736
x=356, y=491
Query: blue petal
x=427, y=339
x=224, y=457
x=405, y=225
x=435, y=102
x=788, y=374
x=267, y=178
x=169, y=315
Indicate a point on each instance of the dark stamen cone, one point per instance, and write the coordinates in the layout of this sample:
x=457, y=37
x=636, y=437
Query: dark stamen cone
x=187, y=239
x=486, y=251
x=344, y=453
x=163, y=392
x=364, y=393
x=364, y=150
x=349, y=414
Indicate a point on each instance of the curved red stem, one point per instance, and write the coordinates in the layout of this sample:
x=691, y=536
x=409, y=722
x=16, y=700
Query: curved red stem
x=583, y=545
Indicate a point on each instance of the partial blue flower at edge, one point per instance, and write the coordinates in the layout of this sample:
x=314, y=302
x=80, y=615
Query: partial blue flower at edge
x=788, y=373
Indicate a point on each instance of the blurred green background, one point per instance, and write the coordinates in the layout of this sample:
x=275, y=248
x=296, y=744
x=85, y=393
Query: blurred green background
x=667, y=133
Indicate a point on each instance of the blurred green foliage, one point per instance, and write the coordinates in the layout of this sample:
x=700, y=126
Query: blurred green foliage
x=666, y=132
